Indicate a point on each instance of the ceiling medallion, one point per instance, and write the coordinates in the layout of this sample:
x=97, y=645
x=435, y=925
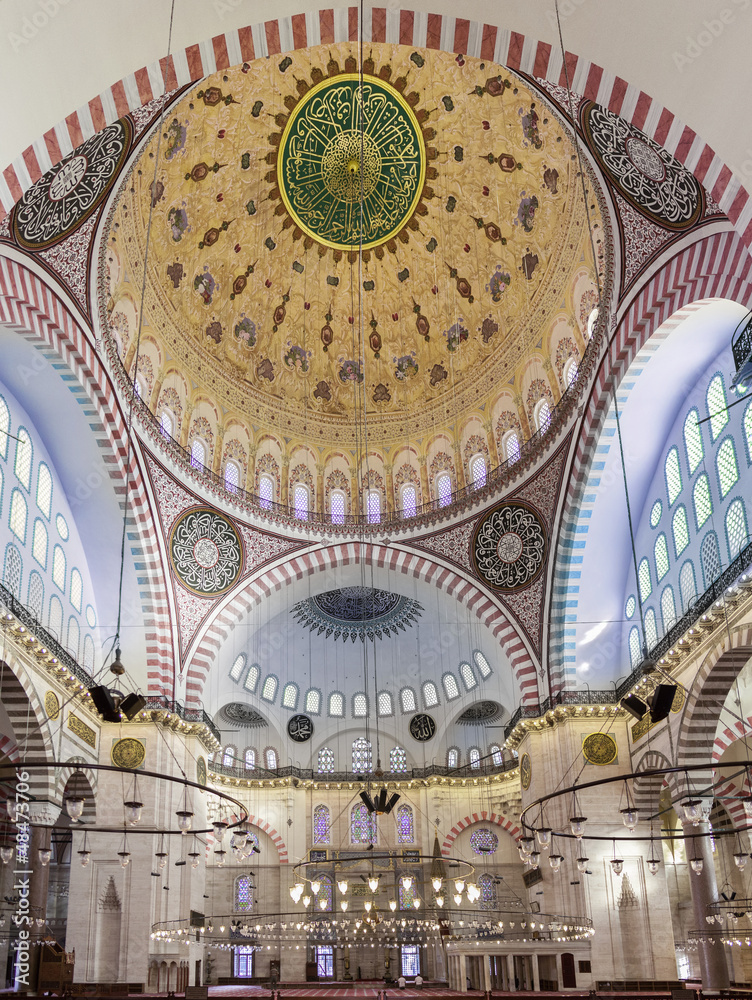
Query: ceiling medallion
x=509, y=546
x=74, y=188
x=350, y=612
x=201, y=771
x=242, y=715
x=52, y=705
x=599, y=748
x=300, y=728
x=422, y=727
x=206, y=551
x=481, y=712
x=337, y=150
x=526, y=771
x=128, y=752
x=647, y=175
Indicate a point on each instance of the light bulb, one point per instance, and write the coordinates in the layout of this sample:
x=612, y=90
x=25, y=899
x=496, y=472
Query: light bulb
x=84, y=856
x=392, y=905
x=75, y=808
x=740, y=860
x=343, y=905
x=617, y=864
x=459, y=884
x=185, y=820
x=436, y=882
x=373, y=883
x=315, y=886
x=458, y=898
x=582, y=865
x=653, y=864
x=133, y=812
x=577, y=825
x=44, y=854
x=697, y=865
x=555, y=861
x=6, y=854
x=630, y=816
x=439, y=900
x=343, y=886
x=544, y=836
x=407, y=881
x=368, y=904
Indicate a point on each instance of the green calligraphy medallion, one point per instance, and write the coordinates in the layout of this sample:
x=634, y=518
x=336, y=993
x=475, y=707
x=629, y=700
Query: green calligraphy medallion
x=332, y=157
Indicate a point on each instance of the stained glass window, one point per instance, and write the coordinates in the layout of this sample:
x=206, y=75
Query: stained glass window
x=488, y=897
x=668, y=608
x=360, y=705
x=76, y=589
x=482, y=663
x=687, y=585
x=313, y=701
x=39, y=543
x=62, y=527
x=243, y=894
x=321, y=834
x=24, y=454
x=407, y=698
x=702, y=501
x=337, y=506
x=237, y=667
x=409, y=499
x=228, y=757
x=362, y=825
x=35, y=599
x=336, y=704
x=716, y=401
x=198, y=454
x=44, y=490
x=661, y=556
x=361, y=756
x=301, y=501
x=58, y=567
x=397, y=760
x=430, y=694
x=373, y=506
x=512, y=447
x=406, y=896
x=326, y=760
x=748, y=430
x=324, y=894
x=232, y=477
x=166, y=423
x=12, y=571
x=736, y=528
x=655, y=513
x=405, y=826
x=680, y=528
x=543, y=415
x=725, y=462
x=384, y=703
x=496, y=755
x=252, y=677
x=444, y=489
x=4, y=427
x=570, y=373
x=450, y=686
x=250, y=759
x=711, y=558
x=478, y=471
x=18, y=515
x=635, y=652
x=468, y=677
x=56, y=616
x=673, y=475
x=410, y=960
x=484, y=841
x=269, y=690
x=693, y=440
x=651, y=628
x=290, y=696
x=630, y=607
x=643, y=575
x=474, y=758
x=266, y=491
x=453, y=757
x=271, y=759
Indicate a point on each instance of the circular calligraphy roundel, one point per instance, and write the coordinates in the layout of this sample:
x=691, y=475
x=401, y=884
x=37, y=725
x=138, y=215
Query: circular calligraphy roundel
x=422, y=727
x=206, y=551
x=337, y=150
x=74, y=188
x=646, y=174
x=300, y=728
x=509, y=546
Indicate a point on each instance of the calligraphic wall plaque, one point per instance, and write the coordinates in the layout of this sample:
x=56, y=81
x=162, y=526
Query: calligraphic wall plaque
x=422, y=727
x=300, y=728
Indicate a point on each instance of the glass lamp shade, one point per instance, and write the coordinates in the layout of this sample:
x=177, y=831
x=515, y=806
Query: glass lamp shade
x=436, y=882
x=577, y=825
x=524, y=856
x=162, y=858
x=11, y=809
x=747, y=803
x=322, y=903
x=239, y=838
x=407, y=881
x=125, y=858
x=6, y=854
x=219, y=827
x=85, y=856
x=458, y=898
x=392, y=905
x=342, y=885
x=617, y=865
x=692, y=809
x=740, y=860
x=373, y=883
x=343, y=905
x=306, y=901
x=194, y=862
x=630, y=817
x=697, y=865
x=653, y=865
x=527, y=844
x=75, y=808
x=544, y=836
x=133, y=812
x=534, y=859
x=582, y=865
x=439, y=901
x=416, y=903
x=220, y=857
x=315, y=886
x=185, y=820
x=44, y=854
x=555, y=861
x=459, y=884
x=296, y=891
x=368, y=904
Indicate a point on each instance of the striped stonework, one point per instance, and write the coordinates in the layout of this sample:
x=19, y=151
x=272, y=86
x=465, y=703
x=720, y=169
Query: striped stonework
x=30, y=726
x=260, y=824
x=480, y=817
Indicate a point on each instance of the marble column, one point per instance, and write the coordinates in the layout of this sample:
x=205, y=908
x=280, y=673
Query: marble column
x=391, y=500
x=704, y=888
x=559, y=974
x=485, y=965
x=493, y=451
x=510, y=972
x=536, y=973
x=284, y=485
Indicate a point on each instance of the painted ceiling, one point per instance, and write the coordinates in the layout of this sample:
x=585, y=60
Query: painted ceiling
x=472, y=228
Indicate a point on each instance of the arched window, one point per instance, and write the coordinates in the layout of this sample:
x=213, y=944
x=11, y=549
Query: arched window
x=4, y=427
x=737, y=535
x=361, y=756
x=478, y=472
x=336, y=705
x=62, y=527
x=511, y=446
x=300, y=501
x=140, y=388
x=74, y=636
x=360, y=705
x=35, y=599
x=232, y=476
x=710, y=557
x=252, y=677
x=198, y=454
x=76, y=589
x=44, y=490
x=725, y=463
x=271, y=759
x=673, y=475
x=362, y=825
x=488, y=897
x=405, y=825
x=703, y=503
x=408, y=500
x=680, y=528
x=570, y=373
x=373, y=506
x=12, y=572
x=228, y=757
x=1, y=486
x=89, y=653
x=384, y=703
x=321, y=821
x=397, y=760
x=687, y=585
x=716, y=401
x=542, y=415
x=430, y=694
x=693, y=440
x=468, y=676
x=444, y=488
x=313, y=701
x=451, y=688
x=237, y=667
x=323, y=901
x=337, y=506
x=406, y=895
x=474, y=758
x=481, y=662
x=56, y=617
x=748, y=430
x=668, y=608
x=18, y=515
x=39, y=540
x=24, y=455
x=243, y=894
x=290, y=696
x=651, y=628
x=643, y=575
x=166, y=423
x=269, y=690
x=408, y=701
x=59, y=567
x=656, y=512
x=326, y=760
x=453, y=757
x=250, y=759
x=661, y=557
x=635, y=650
x=266, y=491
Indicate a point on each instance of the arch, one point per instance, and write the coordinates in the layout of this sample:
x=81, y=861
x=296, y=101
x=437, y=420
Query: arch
x=31, y=733
x=647, y=791
x=265, y=827
x=251, y=591
x=480, y=817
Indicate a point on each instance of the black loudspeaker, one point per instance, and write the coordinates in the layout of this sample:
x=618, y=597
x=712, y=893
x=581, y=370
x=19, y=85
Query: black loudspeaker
x=661, y=702
x=368, y=802
x=104, y=703
x=131, y=705
x=634, y=706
